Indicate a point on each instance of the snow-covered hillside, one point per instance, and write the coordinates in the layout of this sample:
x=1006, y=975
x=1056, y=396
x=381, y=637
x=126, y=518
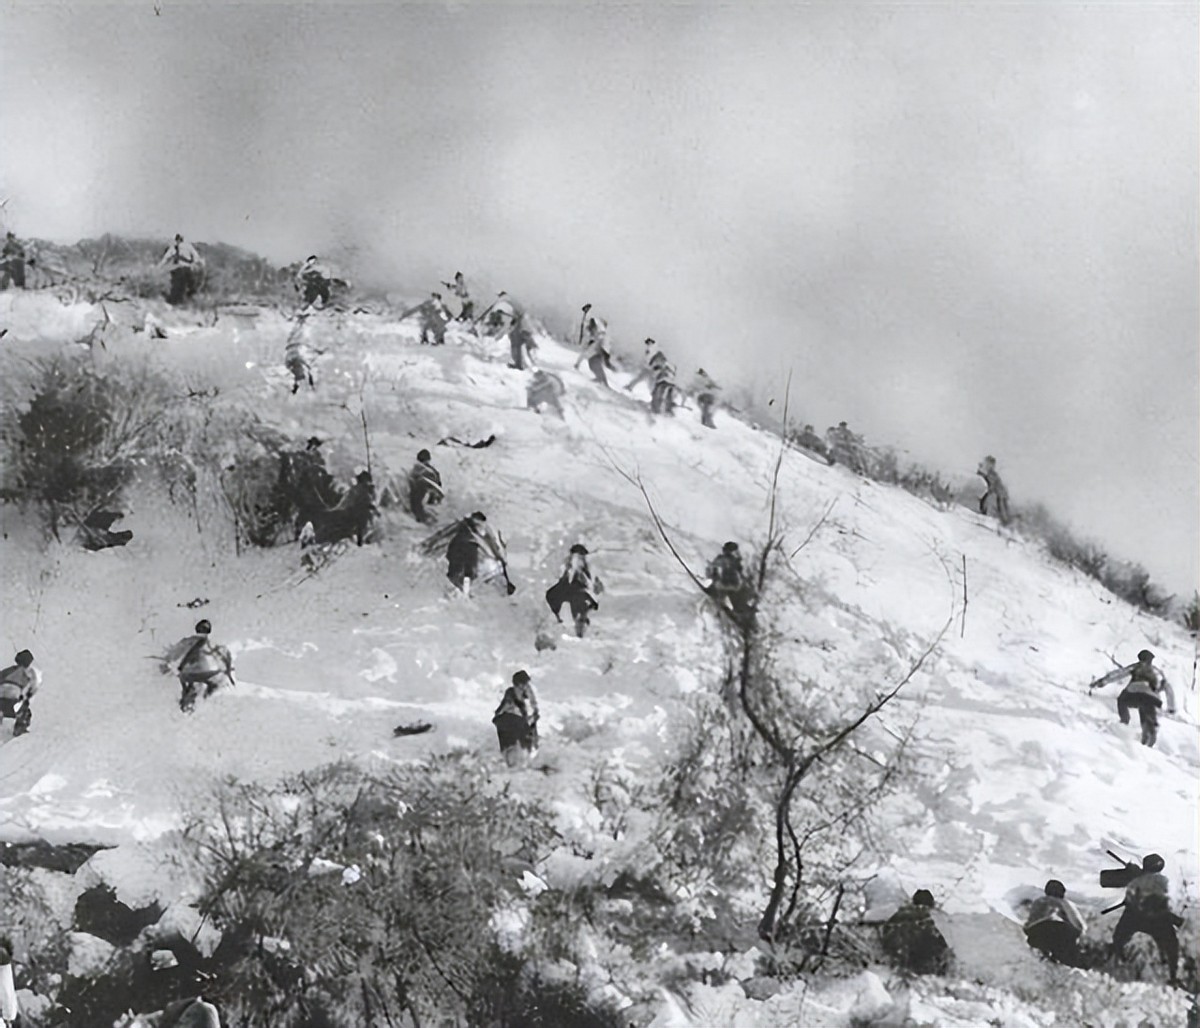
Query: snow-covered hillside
x=1037, y=778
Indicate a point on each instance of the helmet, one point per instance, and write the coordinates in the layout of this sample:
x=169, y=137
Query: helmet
x=730, y=547
x=579, y=548
x=1153, y=862
x=313, y=443
x=650, y=342
x=424, y=455
x=922, y=898
x=1145, y=655
x=479, y=516
x=203, y=626
x=24, y=658
x=363, y=476
x=520, y=677
x=1055, y=888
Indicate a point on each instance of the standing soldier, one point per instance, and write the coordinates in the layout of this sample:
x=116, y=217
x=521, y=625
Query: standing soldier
x=596, y=351
x=201, y=663
x=577, y=587
x=459, y=286
x=662, y=400
x=516, y=721
x=185, y=263
x=424, y=488
x=1148, y=909
x=298, y=355
x=1142, y=692
x=520, y=337
x=995, y=488
x=18, y=683
x=728, y=582
x=650, y=355
x=314, y=281
x=705, y=390
x=12, y=263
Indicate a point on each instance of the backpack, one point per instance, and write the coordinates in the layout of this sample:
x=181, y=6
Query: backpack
x=727, y=572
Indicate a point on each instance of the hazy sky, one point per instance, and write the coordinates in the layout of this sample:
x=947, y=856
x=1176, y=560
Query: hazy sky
x=968, y=228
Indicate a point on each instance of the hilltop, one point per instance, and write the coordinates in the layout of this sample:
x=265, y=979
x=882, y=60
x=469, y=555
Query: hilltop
x=1012, y=774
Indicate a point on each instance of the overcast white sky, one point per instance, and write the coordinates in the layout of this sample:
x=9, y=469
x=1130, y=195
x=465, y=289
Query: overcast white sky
x=969, y=228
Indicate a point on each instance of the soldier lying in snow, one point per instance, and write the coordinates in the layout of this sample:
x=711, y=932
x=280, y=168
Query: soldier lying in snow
x=545, y=388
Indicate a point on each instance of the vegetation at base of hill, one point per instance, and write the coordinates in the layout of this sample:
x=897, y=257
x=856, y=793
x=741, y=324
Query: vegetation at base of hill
x=78, y=432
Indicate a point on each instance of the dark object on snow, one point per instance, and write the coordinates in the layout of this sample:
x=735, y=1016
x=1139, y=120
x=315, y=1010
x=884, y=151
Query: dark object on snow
x=66, y=859
x=96, y=531
x=414, y=728
x=98, y=912
x=482, y=444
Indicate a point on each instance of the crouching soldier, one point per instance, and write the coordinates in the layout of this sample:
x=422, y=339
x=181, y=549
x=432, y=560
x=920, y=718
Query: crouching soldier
x=18, y=683
x=424, y=488
x=911, y=938
x=516, y=721
x=548, y=389
x=1053, y=925
x=577, y=587
x=473, y=542
x=202, y=664
x=1148, y=910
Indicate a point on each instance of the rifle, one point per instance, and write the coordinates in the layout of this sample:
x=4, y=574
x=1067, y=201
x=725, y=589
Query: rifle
x=487, y=310
x=1115, y=906
x=586, y=307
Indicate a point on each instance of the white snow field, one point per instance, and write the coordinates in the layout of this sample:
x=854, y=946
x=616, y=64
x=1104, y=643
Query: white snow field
x=1039, y=779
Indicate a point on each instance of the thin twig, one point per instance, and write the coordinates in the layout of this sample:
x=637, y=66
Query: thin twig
x=963, y=625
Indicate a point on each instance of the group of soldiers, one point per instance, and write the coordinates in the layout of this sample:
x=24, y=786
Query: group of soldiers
x=1053, y=925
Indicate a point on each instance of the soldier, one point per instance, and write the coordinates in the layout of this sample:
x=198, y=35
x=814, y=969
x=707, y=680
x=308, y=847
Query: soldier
x=1053, y=925
x=662, y=399
x=1142, y=692
x=911, y=938
x=516, y=721
x=520, y=338
x=473, y=542
x=728, y=582
x=809, y=439
x=435, y=316
x=845, y=447
x=650, y=355
x=705, y=390
x=545, y=388
x=314, y=281
x=577, y=587
x=995, y=488
x=18, y=684
x=185, y=263
x=298, y=355
x=459, y=286
x=596, y=351
x=201, y=663
x=424, y=488
x=1148, y=910
x=12, y=262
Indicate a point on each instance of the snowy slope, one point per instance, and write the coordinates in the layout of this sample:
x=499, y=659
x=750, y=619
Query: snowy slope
x=1038, y=778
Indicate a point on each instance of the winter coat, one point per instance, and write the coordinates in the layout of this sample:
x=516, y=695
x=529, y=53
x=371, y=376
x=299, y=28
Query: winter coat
x=19, y=683
x=425, y=477
x=519, y=700
x=1054, y=908
x=198, y=654
x=1148, y=895
x=991, y=476
x=182, y=253
x=1145, y=680
x=314, y=269
x=726, y=572
x=480, y=538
